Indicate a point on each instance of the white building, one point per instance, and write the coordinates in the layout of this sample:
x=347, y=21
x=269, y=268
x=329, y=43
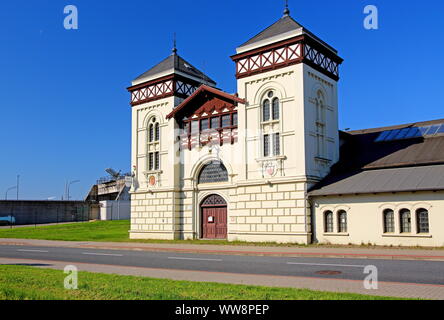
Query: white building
x=261, y=164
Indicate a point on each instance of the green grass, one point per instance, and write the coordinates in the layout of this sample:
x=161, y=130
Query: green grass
x=101, y=231
x=29, y=283
x=115, y=231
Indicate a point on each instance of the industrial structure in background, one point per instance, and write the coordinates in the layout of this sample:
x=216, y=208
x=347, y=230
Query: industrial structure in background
x=112, y=192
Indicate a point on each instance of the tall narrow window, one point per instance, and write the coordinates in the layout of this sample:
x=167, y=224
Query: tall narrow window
x=151, y=133
x=156, y=161
x=406, y=221
x=275, y=110
x=235, y=119
x=151, y=161
x=266, y=145
x=342, y=221
x=320, y=127
x=328, y=222
x=389, y=221
x=422, y=221
x=156, y=132
x=266, y=111
x=276, y=144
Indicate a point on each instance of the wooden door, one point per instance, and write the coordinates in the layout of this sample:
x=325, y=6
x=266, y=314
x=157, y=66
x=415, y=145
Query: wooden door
x=214, y=221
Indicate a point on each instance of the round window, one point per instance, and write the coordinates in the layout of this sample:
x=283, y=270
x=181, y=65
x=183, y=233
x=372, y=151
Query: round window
x=270, y=94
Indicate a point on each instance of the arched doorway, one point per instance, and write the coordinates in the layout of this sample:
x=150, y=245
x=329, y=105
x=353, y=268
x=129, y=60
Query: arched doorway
x=214, y=217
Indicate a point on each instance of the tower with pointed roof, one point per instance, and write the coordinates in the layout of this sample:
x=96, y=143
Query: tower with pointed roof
x=289, y=77
x=155, y=94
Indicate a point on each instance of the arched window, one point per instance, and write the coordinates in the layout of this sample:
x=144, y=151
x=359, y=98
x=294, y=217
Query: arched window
x=153, y=146
x=320, y=126
x=266, y=110
x=422, y=221
x=156, y=132
x=342, y=221
x=328, y=222
x=389, y=221
x=213, y=172
x=275, y=110
x=151, y=133
x=271, y=138
x=406, y=221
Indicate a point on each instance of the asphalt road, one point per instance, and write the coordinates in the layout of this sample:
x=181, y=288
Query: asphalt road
x=420, y=272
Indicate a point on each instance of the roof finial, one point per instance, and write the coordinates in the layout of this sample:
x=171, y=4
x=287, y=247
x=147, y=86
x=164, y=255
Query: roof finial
x=287, y=10
x=174, y=44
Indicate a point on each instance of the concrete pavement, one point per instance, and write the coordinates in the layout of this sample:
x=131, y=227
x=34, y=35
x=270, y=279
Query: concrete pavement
x=310, y=251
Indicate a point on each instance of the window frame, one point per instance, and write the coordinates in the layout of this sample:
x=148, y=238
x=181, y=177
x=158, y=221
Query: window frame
x=419, y=223
x=328, y=222
x=391, y=225
x=342, y=226
x=405, y=225
x=224, y=173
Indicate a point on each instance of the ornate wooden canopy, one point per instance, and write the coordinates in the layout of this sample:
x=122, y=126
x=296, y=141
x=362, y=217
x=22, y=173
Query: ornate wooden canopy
x=207, y=117
x=204, y=102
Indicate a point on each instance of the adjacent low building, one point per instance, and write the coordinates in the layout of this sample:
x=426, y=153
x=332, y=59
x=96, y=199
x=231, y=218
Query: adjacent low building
x=387, y=188
x=112, y=193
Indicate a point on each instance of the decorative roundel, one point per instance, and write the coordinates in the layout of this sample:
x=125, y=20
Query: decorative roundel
x=270, y=94
x=152, y=180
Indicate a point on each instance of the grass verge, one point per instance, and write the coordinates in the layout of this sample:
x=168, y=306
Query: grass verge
x=28, y=283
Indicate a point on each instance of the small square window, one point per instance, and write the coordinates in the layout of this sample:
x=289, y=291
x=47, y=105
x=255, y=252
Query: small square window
x=226, y=121
x=204, y=124
x=215, y=122
x=195, y=127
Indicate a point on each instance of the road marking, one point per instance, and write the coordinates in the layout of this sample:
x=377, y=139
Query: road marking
x=102, y=254
x=326, y=265
x=195, y=259
x=26, y=250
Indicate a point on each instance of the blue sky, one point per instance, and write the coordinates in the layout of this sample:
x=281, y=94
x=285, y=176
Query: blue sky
x=65, y=109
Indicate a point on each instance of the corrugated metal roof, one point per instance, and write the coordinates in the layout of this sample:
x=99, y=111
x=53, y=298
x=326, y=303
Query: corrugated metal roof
x=367, y=166
x=427, y=178
x=176, y=63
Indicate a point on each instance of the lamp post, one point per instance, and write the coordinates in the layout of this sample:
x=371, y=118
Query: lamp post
x=69, y=185
x=7, y=191
x=18, y=185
